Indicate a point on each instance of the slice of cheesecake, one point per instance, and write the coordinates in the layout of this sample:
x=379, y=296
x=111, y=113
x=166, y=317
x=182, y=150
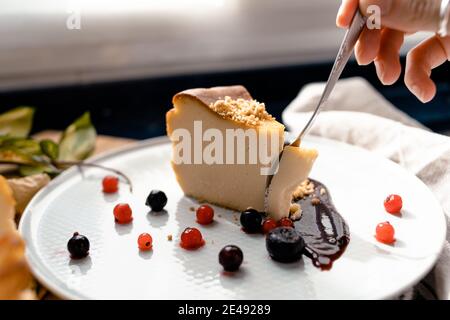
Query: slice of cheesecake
x=224, y=144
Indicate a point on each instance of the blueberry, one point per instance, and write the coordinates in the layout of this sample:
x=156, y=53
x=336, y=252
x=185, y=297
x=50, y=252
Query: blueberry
x=156, y=200
x=78, y=246
x=285, y=244
x=251, y=220
x=230, y=257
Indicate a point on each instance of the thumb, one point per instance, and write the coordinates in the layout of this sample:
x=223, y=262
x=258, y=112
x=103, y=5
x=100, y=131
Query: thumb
x=405, y=15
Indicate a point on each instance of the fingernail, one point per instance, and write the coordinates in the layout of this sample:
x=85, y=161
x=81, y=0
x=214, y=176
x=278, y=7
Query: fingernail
x=364, y=63
x=340, y=9
x=379, y=67
x=417, y=91
x=358, y=55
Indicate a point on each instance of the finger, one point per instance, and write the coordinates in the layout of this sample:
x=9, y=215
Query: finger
x=345, y=13
x=406, y=15
x=420, y=61
x=366, y=48
x=445, y=42
x=387, y=62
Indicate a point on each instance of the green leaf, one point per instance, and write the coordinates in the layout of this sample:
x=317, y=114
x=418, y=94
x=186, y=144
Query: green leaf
x=25, y=170
x=78, y=140
x=16, y=122
x=13, y=155
x=30, y=170
x=24, y=145
x=22, y=151
x=50, y=149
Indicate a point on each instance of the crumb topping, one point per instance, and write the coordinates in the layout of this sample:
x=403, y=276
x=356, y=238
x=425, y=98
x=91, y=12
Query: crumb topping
x=315, y=201
x=295, y=211
x=305, y=189
x=249, y=112
x=169, y=237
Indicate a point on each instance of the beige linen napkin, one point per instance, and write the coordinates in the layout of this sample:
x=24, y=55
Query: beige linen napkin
x=357, y=114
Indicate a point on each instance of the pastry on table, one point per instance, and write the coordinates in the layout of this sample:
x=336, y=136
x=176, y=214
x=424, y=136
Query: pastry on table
x=7, y=207
x=221, y=179
x=25, y=188
x=15, y=278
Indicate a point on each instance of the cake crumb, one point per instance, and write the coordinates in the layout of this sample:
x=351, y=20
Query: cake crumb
x=295, y=211
x=323, y=191
x=249, y=112
x=192, y=208
x=315, y=201
x=219, y=215
x=169, y=237
x=305, y=189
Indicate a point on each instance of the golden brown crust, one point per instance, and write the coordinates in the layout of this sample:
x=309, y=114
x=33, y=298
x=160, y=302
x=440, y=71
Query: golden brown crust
x=207, y=96
x=7, y=204
x=25, y=188
x=15, y=278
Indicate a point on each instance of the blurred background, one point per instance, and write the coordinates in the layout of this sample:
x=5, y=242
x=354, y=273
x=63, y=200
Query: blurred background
x=124, y=60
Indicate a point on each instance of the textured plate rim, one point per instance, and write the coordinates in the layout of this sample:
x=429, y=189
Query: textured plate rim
x=63, y=293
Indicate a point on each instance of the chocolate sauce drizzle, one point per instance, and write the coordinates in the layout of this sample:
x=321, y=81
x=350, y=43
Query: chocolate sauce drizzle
x=325, y=232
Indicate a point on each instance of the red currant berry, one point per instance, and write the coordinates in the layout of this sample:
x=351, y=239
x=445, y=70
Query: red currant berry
x=110, y=184
x=145, y=241
x=268, y=225
x=123, y=213
x=286, y=222
x=191, y=238
x=393, y=203
x=385, y=233
x=205, y=214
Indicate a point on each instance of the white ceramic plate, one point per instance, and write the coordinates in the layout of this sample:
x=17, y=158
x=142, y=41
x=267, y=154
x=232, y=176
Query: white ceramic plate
x=115, y=269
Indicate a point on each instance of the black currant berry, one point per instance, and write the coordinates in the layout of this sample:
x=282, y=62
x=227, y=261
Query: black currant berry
x=230, y=257
x=78, y=246
x=156, y=200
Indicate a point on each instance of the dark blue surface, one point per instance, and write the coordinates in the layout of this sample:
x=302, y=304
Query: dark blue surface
x=137, y=108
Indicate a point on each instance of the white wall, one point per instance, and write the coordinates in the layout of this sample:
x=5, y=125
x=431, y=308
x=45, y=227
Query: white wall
x=144, y=38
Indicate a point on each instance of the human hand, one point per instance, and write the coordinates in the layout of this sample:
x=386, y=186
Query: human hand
x=382, y=45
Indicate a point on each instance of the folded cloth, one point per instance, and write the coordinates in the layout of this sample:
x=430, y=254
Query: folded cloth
x=357, y=114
